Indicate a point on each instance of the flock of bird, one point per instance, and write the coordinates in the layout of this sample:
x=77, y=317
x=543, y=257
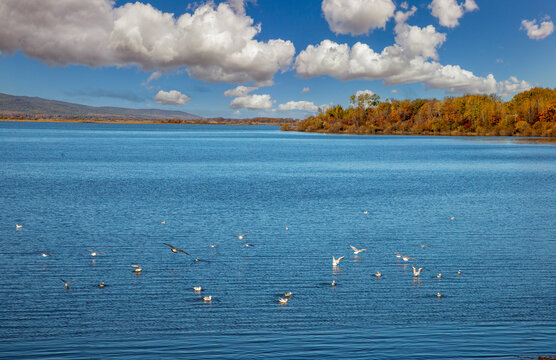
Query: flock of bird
x=282, y=300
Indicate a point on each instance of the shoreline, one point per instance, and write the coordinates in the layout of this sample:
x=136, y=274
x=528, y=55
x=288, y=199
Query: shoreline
x=162, y=122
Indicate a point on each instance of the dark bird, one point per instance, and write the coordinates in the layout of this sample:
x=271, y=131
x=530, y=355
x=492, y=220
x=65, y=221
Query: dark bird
x=247, y=245
x=175, y=250
x=66, y=283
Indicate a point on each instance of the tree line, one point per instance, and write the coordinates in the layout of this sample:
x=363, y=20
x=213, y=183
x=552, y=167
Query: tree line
x=529, y=113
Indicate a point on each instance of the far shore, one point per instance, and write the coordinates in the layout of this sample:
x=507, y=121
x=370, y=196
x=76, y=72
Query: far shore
x=210, y=121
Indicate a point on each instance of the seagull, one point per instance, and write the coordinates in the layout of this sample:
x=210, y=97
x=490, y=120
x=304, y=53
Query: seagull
x=248, y=245
x=196, y=259
x=335, y=262
x=43, y=254
x=18, y=227
x=438, y=295
x=356, y=250
x=378, y=274
x=283, y=300
x=175, y=250
x=94, y=253
x=288, y=294
x=207, y=298
x=423, y=246
x=439, y=276
x=287, y=228
x=416, y=272
x=365, y=212
x=197, y=288
x=240, y=237
x=211, y=245
x=452, y=218
x=403, y=257
x=459, y=272
x=333, y=283
x=138, y=269
x=66, y=283
x=163, y=222
x=101, y=285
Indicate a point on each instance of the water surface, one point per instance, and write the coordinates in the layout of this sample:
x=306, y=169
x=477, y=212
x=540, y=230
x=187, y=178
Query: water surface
x=107, y=187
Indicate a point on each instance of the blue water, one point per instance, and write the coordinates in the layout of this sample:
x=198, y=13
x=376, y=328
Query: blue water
x=108, y=187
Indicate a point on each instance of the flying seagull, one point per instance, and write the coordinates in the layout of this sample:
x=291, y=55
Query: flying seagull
x=378, y=274
x=356, y=250
x=416, y=272
x=175, y=250
x=247, y=245
x=43, y=254
x=66, y=283
x=335, y=262
x=403, y=257
x=240, y=237
x=94, y=253
x=283, y=300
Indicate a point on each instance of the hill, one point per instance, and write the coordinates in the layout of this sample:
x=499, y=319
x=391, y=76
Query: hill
x=29, y=107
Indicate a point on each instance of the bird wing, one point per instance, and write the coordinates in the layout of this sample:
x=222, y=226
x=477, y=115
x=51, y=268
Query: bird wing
x=169, y=245
x=135, y=266
x=180, y=250
x=340, y=258
x=90, y=250
x=353, y=247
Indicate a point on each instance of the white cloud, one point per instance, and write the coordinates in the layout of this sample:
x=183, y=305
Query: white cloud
x=172, y=97
x=449, y=12
x=298, y=105
x=357, y=16
x=154, y=76
x=405, y=62
x=252, y=102
x=535, y=31
x=305, y=90
x=215, y=43
x=240, y=91
x=363, y=92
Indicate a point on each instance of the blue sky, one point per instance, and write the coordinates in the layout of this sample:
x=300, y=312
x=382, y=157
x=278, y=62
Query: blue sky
x=272, y=58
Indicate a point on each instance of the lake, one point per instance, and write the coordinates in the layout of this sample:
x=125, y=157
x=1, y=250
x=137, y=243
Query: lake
x=484, y=206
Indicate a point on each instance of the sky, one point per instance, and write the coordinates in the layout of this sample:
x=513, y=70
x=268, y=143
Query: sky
x=273, y=58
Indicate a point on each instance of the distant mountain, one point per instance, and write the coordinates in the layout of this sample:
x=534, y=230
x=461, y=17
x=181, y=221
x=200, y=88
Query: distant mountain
x=15, y=106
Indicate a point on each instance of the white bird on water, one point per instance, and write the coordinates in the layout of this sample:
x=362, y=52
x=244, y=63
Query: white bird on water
x=138, y=269
x=439, y=276
x=416, y=272
x=288, y=294
x=378, y=274
x=207, y=298
x=197, y=288
x=356, y=250
x=335, y=262
x=18, y=227
x=283, y=300
x=43, y=254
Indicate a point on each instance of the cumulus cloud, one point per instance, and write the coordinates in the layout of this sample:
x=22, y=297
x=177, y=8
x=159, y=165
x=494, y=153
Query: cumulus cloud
x=172, y=97
x=298, y=105
x=240, y=91
x=357, y=17
x=407, y=61
x=305, y=90
x=214, y=43
x=536, y=32
x=449, y=12
x=363, y=92
x=252, y=102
